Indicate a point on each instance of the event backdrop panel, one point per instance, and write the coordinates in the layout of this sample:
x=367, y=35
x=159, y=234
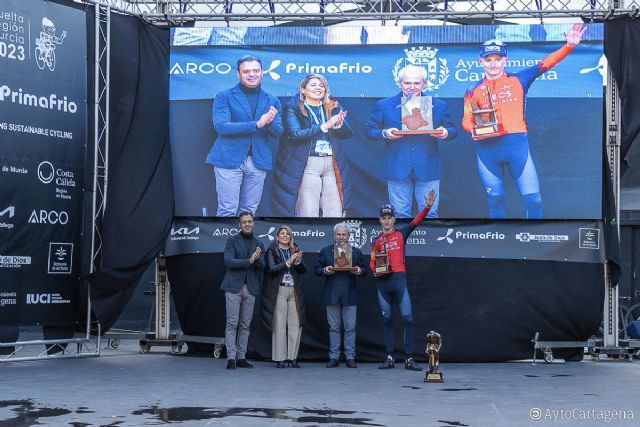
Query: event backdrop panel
x=43, y=119
x=563, y=108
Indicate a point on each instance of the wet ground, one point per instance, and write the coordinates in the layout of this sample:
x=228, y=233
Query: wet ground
x=126, y=388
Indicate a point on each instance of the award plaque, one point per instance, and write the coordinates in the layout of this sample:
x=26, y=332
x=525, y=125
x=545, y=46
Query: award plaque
x=485, y=121
x=342, y=258
x=434, y=342
x=417, y=118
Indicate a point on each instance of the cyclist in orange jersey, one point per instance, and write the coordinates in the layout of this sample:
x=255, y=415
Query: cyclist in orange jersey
x=508, y=145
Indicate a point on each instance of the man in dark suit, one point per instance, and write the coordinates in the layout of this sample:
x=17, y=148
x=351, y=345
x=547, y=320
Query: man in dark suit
x=247, y=120
x=243, y=256
x=411, y=162
x=341, y=297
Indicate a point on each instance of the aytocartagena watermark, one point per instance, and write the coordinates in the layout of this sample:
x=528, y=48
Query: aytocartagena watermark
x=577, y=414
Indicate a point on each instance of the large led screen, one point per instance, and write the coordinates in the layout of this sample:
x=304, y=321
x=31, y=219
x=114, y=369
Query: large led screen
x=502, y=121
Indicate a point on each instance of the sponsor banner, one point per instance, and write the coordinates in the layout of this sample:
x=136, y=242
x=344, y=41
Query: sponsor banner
x=575, y=241
x=9, y=305
x=43, y=119
x=372, y=71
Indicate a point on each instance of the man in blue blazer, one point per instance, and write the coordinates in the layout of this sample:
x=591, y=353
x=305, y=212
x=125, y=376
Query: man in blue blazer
x=341, y=297
x=247, y=120
x=411, y=162
x=244, y=258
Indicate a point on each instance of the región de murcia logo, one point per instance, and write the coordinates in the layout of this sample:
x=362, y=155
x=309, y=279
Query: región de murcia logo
x=437, y=70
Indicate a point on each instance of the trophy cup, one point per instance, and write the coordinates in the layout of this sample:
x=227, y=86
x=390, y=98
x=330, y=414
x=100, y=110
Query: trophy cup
x=485, y=121
x=342, y=257
x=434, y=342
x=381, y=260
x=417, y=120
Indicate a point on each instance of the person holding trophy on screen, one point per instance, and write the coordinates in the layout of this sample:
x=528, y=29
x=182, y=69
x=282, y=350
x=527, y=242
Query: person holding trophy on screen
x=388, y=266
x=410, y=124
x=494, y=114
x=311, y=174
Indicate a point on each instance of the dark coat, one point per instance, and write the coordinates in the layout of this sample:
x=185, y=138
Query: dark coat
x=239, y=270
x=417, y=153
x=300, y=133
x=340, y=287
x=271, y=285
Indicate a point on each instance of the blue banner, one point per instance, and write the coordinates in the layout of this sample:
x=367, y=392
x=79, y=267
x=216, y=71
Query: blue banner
x=372, y=71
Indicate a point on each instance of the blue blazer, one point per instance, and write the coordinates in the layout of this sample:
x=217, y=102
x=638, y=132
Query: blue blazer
x=417, y=153
x=340, y=287
x=239, y=270
x=237, y=130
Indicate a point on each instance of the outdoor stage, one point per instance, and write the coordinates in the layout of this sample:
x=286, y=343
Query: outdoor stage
x=126, y=388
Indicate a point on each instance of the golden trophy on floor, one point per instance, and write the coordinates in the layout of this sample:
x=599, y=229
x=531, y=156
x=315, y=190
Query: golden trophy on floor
x=434, y=342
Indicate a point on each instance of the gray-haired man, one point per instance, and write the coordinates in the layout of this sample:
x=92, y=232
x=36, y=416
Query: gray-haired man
x=341, y=297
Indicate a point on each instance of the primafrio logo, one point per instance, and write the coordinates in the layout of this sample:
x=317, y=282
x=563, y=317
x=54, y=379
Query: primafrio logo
x=45, y=53
x=358, y=234
x=447, y=236
x=268, y=234
x=437, y=69
x=453, y=235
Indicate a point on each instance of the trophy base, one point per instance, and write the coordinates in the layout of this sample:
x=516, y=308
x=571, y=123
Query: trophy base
x=381, y=270
x=484, y=132
x=344, y=268
x=434, y=377
x=419, y=132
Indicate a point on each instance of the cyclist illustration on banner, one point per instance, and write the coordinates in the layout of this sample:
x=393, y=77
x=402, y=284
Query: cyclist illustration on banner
x=46, y=45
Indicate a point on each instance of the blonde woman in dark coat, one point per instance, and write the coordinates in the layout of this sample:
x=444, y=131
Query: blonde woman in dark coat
x=282, y=303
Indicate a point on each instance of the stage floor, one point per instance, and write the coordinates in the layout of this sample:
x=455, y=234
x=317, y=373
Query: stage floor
x=125, y=388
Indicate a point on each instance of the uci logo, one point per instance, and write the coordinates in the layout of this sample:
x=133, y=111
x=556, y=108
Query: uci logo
x=38, y=298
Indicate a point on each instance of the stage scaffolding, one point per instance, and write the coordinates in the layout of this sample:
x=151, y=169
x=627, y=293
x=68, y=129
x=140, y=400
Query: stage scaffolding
x=330, y=12
x=175, y=12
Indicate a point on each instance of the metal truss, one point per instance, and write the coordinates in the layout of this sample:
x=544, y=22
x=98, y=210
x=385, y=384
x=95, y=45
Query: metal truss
x=100, y=128
x=175, y=12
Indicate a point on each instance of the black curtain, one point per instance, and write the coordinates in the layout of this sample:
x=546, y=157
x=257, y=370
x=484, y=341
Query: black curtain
x=622, y=50
x=486, y=310
x=139, y=207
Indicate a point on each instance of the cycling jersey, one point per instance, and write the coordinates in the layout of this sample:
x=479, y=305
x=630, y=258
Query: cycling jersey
x=508, y=95
x=394, y=243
